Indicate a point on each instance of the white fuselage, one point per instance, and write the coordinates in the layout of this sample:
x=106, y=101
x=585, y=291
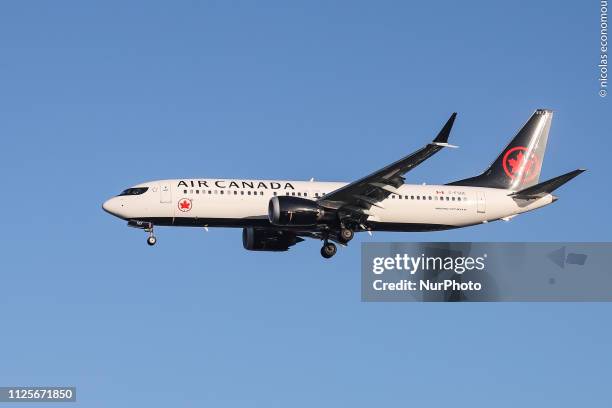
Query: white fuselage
x=240, y=203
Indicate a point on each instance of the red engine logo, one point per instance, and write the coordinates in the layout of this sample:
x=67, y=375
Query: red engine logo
x=184, y=204
x=516, y=158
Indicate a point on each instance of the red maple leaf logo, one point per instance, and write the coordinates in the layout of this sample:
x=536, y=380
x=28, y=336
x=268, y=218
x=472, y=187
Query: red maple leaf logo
x=184, y=205
x=515, y=159
x=517, y=162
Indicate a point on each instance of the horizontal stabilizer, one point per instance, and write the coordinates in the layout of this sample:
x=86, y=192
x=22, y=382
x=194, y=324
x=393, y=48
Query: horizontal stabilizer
x=546, y=187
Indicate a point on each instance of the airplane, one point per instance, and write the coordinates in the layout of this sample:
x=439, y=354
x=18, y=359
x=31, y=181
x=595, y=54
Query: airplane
x=276, y=214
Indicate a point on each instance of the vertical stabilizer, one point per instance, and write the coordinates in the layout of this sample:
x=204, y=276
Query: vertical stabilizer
x=519, y=164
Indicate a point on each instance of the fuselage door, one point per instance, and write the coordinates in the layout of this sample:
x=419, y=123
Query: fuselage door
x=165, y=193
x=481, y=203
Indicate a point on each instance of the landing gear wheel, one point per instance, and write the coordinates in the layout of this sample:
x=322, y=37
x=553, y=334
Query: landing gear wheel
x=328, y=250
x=346, y=235
x=151, y=240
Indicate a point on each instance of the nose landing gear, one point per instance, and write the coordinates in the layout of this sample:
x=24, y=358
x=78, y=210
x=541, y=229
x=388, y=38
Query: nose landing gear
x=147, y=227
x=151, y=239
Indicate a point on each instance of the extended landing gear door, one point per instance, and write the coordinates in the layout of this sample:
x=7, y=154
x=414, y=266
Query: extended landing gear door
x=165, y=193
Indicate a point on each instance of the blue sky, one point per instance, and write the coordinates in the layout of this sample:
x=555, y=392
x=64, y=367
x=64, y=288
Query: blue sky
x=96, y=97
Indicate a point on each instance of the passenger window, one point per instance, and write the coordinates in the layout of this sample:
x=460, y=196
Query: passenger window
x=430, y=197
x=418, y=197
x=305, y=194
x=184, y=191
x=412, y=197
x=248, y=192
x=274, y=193
x=261, y=193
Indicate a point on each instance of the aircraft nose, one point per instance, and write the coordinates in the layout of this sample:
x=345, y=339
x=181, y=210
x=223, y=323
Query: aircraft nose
x=112, y=206
x=108, y=206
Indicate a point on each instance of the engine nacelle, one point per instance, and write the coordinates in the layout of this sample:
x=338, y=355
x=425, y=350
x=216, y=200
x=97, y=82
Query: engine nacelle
x=294, y=211
x=255, y=239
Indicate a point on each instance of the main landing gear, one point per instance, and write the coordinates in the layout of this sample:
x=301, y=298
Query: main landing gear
x=328, y=250
x=345, y=235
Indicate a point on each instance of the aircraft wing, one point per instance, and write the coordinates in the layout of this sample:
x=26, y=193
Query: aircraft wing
x=359, y=196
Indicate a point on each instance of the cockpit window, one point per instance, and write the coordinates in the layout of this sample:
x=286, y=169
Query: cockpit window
x=134, y=191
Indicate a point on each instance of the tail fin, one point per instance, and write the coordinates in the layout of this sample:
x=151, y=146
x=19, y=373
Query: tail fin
x=519, y=164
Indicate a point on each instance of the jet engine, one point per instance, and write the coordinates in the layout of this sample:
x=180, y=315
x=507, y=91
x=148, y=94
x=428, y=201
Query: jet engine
x=255, y=239
x=294, y=211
